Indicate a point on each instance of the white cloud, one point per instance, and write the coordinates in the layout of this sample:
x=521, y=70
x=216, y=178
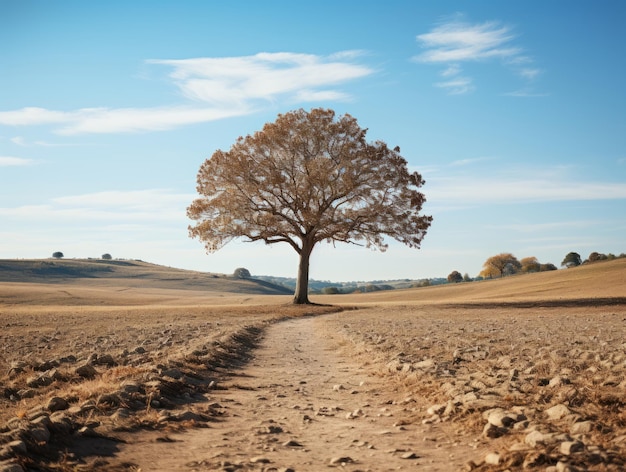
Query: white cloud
x=529, y=73
x=104, y=120
x=457, y=86
x=452, y=70
x=469, y=161
x=9, y=161
x=226, y=87
x=526, y=92
x=456, y=42
x=264, y=76
x=110, y=207
x=498, y=189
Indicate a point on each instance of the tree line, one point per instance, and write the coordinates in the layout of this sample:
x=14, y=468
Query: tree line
x=505, y=264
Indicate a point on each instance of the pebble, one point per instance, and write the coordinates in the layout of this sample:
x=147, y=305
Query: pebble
x=557, y=412
x=343, y=460
x=409, y=455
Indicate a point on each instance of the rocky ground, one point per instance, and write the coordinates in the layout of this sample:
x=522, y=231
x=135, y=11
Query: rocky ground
x=399, y=387
x=540, y=388
x=66, y=374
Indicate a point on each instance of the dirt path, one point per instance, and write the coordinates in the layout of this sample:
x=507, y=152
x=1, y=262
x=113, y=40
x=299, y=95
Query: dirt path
x=304, y=404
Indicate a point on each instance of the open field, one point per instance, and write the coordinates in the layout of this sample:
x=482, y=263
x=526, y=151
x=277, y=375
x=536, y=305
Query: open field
x=530, y=370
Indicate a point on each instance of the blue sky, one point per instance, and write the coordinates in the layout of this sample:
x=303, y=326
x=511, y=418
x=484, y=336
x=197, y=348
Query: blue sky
x=514, y=113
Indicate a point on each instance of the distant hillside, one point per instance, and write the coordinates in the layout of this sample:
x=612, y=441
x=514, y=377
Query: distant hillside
x=318, y=286
x=129, y=274
x=600, y=283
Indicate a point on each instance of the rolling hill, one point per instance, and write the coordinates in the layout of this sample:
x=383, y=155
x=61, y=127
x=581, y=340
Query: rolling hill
x=131, y=272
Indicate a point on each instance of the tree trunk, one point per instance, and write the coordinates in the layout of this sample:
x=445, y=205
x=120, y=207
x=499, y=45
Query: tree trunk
x=301, y=295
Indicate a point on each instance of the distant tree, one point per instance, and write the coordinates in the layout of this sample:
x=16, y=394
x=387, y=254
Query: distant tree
x=572, y=259
x=547, y=267
x=422, y=283
x=242, y=273
x=330, y=290
x=106, y=257
x=307, y=178
x=455, y=277
x=58, y=255
x=466, y=277
x=596, y=256
x=530, y=264
x=500, y=265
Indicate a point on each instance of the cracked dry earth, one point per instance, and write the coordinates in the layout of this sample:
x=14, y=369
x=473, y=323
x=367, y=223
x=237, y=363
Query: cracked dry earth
x=304, y=403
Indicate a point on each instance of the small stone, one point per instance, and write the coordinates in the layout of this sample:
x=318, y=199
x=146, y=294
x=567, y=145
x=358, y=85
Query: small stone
x=436, y=409
x=534, y=459
x=57, y=404
x=571, y=447
x=338, y=387
x=535, y=437
x=500, y=418
x=260, y=460
x=557, y=412
x=40, y=434
x=88, y=432
x=582, y=427
x=493, y=458
x=86, y=371
x=173, y=373
x=106, y=359
x=341, y=460
x=492, y=431
x=409, y=455
x=292, y=443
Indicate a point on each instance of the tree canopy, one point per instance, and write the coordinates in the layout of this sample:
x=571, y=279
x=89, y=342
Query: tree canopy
x=572, y=259
x=305, y=178
x=500, y=265
x=242, y=273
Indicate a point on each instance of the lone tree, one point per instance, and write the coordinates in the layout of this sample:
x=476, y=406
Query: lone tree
x=572, y=259
x=57, y=255
x=455, y=277
x=306, y=178
x=242, y=273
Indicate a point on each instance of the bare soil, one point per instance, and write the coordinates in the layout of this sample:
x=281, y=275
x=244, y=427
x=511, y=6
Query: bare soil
x=304, y=403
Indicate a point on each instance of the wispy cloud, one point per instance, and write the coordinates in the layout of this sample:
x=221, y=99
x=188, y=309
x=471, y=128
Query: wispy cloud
x=264, y=76
x=469, y=161
x=456, y=42
x=9, y=161
x=21, y=141
x=218, y=88
x=109, y=207
x=118, y=120
x=526, y=92
x=504, y=190
x=457, y=85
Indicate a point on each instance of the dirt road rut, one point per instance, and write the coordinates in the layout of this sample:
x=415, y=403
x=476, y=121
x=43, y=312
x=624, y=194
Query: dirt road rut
x=304, y=403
